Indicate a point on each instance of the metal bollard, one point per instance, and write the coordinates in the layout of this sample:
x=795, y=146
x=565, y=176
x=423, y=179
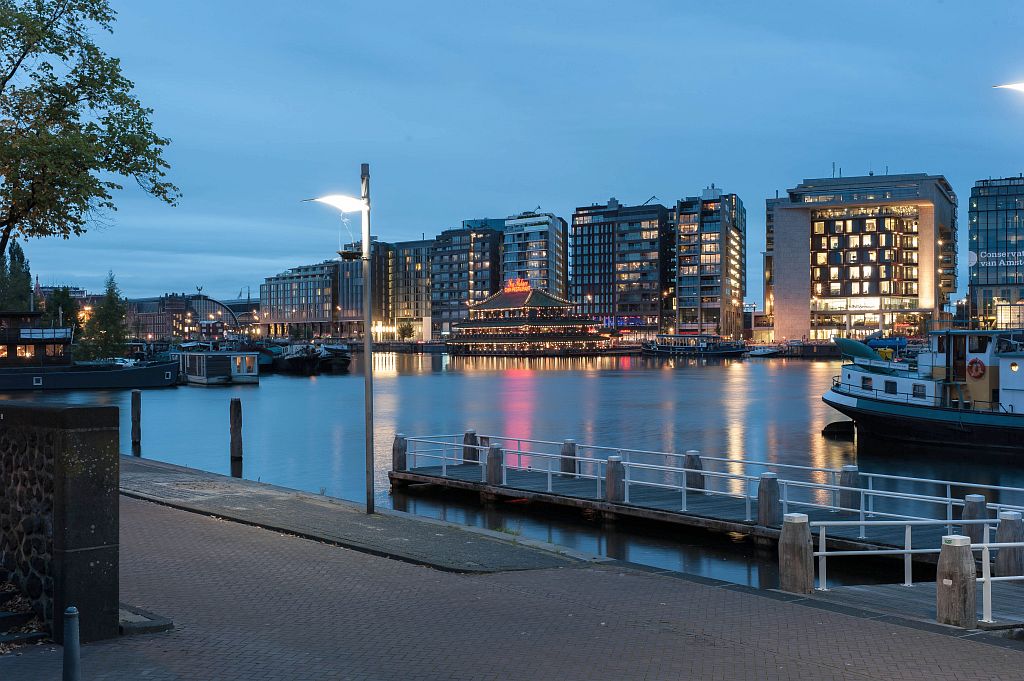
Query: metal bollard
x=72, y=650
x=136, y=423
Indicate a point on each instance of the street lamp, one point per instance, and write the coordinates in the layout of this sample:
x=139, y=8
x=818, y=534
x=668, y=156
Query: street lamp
x=350, y=204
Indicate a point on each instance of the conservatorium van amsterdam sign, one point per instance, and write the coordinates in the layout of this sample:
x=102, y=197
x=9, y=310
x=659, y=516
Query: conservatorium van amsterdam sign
x=998, y=259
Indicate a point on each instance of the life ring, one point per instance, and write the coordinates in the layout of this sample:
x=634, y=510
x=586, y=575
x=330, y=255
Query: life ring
x=975, y=368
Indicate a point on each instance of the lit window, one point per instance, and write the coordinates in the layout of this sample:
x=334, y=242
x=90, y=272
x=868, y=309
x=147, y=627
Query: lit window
x=26, y=351
x=854, y=241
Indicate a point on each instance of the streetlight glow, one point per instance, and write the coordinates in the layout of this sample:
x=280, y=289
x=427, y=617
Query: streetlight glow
x=1019, y=87
x=346, y=204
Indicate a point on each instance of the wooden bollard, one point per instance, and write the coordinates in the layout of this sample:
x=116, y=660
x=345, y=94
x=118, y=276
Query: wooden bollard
x=568, y=460
x=796, y=555
x=399, y=453
x=974, y=509
x=1009, y=562
x=615, y=480
x=955, y=583
x=495, y=463
x=692, y=462
x=236, y=437
x=470, y=442
x=137, y=422
x=849, y=476
x=769, y=508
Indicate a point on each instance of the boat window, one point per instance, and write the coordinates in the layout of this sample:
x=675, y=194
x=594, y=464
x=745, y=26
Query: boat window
x=3, y=352
x=890, y=387
x=250, y=364
x=26, y=350
x=865, y=383
x=919, y=391
x=978, y=343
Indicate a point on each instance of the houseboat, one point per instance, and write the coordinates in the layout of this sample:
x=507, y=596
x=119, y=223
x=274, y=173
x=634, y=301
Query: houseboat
x=967, y=388
x=695, y=345
x=198, y=364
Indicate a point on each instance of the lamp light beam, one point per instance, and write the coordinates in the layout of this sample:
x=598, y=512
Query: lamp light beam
x=1019, y=87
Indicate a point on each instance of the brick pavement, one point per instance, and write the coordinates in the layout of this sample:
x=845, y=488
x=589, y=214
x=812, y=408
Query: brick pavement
x=249, y=603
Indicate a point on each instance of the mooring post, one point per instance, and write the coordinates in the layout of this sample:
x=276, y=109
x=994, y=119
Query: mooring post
x=692, y=462
x=72, y=651
x=399, y=452
x=974, y=509
x=769, y=508
x=568, y=460
x=495, y=463
x=469, y=444
x=849, y=476
x=796, y=555
x=1009, y=562
x=136, y=423
x=615, y=480
x=955, y=583
x=236, y=437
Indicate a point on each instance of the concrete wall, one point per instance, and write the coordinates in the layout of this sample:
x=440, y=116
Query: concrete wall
x=59, y=472
x=792, y=273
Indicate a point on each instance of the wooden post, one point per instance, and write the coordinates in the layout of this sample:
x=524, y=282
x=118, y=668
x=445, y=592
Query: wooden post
x=615, y=480
x=568, y=465
x=769, y=508
x=399, y=452
x=1009, y=562
x=974, y=509
x=495, y=461
x=236, y=437
x=796, y=555
x=849, y=476
x=955, y=583
x=137, y=423
x=691, y=460
x=470, y=443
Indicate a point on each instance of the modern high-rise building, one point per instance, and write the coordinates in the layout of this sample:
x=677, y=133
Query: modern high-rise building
x=535, y=249
x=710, y=273
x=622, y=265
x=465, y=268
x=301, y=300
x=996, y=251
x=856, y=255
x=350, y=290
x=768, y=257
x=410, y=286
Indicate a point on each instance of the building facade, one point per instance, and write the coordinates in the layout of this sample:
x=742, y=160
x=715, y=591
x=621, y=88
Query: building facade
x=621, y=261
x=302, y=301
x=996, y=252
x=535, y=249
x=858, y=255
x=710, y=264
x=465, y=268
x=410, y=286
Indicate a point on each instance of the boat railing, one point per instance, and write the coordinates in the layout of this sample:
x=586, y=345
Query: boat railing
x=908, y=398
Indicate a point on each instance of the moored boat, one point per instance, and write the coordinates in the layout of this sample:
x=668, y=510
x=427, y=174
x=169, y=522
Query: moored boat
x=697, y=345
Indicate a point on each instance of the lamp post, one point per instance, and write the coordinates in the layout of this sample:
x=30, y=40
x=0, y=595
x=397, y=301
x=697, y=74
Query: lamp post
x=349, y=204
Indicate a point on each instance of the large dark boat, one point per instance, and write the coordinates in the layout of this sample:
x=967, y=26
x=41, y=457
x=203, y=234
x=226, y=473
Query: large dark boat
x=696, y=345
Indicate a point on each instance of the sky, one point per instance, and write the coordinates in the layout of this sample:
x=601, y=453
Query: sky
x=470, y=109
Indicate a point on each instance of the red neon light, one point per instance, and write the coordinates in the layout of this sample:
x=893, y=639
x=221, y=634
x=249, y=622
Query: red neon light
x=516, y=285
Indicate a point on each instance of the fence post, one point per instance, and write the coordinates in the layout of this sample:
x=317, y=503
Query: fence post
x=796, y=555
x=236, y=437
x=769, y=509
x=974, y=509
x=955, y=583
x=849, y=476
x=1009, y=562
x=691, y=461
x=136, y=422
x=568, y=460
x=399, y=451
x=72, y=668
x=470, y=443
x=614, y=480
x=495, y=463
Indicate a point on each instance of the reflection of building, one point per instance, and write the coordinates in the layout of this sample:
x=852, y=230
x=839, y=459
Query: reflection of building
x=996, y=248
x=535, y=249
x=465, y=268
x=882, y=256
x=520, y=320
x=621, y=259
x=410, y=286
x=179, y=315
x=711, y=273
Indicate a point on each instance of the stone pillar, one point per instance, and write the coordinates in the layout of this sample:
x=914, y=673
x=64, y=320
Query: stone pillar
x=568, y=465
x=236, y=437
x=615, y=480
x=769, y=508
x=399, y=452
x=470, y=443
x=955, y=583
x=849, y=477
x=796, y=555
x=691, y=460
x=136, y=422
x=1009, y=562
x=495, y=461
x=974, y=509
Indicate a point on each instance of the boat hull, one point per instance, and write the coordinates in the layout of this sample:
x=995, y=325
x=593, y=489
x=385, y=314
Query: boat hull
x=160, y=375
x=687, y=352
x=933, y=427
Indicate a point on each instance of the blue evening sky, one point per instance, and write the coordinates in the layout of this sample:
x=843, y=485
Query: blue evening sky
x=479, y=109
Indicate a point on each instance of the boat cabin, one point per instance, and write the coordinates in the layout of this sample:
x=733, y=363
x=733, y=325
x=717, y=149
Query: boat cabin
x=200, y=366
x=25, y=343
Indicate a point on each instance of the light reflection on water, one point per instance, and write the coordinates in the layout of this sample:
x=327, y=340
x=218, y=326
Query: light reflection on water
x=307, y=433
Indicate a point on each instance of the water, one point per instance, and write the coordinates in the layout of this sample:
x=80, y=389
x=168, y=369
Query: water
x=307, y=433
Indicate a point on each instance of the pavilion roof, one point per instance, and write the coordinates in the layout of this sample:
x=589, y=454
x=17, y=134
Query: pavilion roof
x=534, y=297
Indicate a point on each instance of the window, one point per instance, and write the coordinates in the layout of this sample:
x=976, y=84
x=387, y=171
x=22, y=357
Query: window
x=819, y=227
x=854, y=241
x=978, y=343
x=870, y=225
x=919, y=391
x=890, y=387
x=3, y=352
x=865, y=383
x=820, y=258
x=26, y=351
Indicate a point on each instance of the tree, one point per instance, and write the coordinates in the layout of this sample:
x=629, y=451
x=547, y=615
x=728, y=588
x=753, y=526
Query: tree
x=15, y=280
x=405, y=330
x=70, y=124
x=105, y=334
x=61, y=308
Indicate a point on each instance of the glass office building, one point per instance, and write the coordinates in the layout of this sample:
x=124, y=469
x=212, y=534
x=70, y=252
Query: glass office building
x=996, y=251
